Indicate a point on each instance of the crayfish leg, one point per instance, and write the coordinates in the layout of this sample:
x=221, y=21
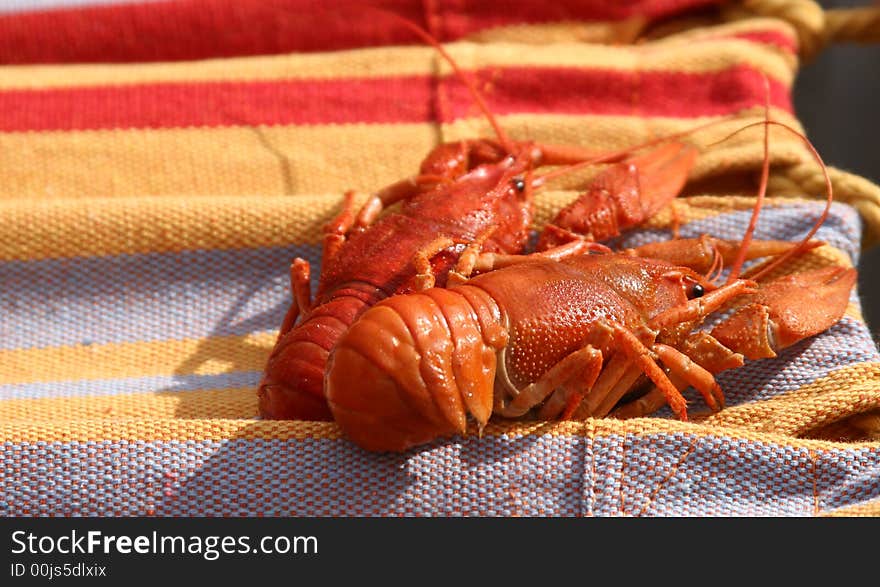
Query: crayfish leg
x=703, y=254
x=425, y=277
x=467, y=261
x=578, y=369
x=645, y=405
x=641, y=356
x=699, y=308
x=391, y=194
x=343, y=221
x=567, y=397
x=492, y=261
x=336, y=230
x=601, y=405
x=692, y=373
x=611, y=375
x=301, y=291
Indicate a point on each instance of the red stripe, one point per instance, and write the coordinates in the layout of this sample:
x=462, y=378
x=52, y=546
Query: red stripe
x=389, y=100
x=198, y=29
x=609, y=92
x=777, y=39
x=401, y=99
x=458, y=18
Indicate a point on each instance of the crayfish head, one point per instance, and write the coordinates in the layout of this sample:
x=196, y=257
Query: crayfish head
x=670, y=298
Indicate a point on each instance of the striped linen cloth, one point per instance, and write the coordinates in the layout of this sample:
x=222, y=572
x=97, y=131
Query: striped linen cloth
x=151, y=204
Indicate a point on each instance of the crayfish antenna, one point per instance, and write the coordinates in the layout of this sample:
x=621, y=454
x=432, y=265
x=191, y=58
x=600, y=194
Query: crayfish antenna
x=804, y=244
x=500, y=133
x=736, y=267
x=807, y=242
x=794, y=307
x=620, y=155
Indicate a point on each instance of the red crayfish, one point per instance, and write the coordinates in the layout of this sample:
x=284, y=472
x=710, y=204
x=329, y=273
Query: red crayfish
x=568, y=333
x=469, y=197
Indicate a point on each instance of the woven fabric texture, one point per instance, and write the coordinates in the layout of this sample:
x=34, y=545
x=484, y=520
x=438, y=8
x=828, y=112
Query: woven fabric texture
x=151, y=208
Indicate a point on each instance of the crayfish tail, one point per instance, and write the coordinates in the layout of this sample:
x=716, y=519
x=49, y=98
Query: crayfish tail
x=411, y=369
x=292, y=387
x=293, y=384
x=279, y=402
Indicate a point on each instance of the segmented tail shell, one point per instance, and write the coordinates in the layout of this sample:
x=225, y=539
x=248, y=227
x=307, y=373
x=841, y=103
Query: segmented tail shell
x=413, y=367
x=292, y=387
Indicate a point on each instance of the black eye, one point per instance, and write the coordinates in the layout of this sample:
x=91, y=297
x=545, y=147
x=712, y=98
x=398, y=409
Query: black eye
x=697, y=291
x=519, y=184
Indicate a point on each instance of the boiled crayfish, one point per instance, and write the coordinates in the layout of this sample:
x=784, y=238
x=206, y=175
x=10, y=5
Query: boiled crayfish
x=569, y=332
x=469, y=197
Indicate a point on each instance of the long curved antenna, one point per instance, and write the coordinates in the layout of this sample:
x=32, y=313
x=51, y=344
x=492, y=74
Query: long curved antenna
x=829, y=190
x=740, y=258
x=614, y=156
x=503, y=138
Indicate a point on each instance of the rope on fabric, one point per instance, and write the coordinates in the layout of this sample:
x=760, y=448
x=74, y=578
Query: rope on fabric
x=853, y=25
x=862, y=194
x=816, y=28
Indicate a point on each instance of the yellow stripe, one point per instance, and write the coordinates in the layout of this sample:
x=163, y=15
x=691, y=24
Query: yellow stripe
x=166, y=430
x=677, y=54
x=54, y=229
x=137, y=359
x=220, y=429
x=867, y=509
x=215, y=403
x=614, y=133
x=714, y=55
x=601, y=32
x=43, y=226
x=258, y=161
x=366, y=63
x=850, y=390
x=289, y=160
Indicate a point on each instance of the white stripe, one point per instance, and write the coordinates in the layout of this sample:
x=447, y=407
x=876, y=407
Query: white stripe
x=9, y=6
x=156, y=383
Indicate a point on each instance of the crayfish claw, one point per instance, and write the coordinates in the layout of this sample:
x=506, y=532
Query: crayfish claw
x=788, y=310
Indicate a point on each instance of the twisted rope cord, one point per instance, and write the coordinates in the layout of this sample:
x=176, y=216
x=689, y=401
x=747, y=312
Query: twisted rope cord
x=853, y=25
x=815, y=26
x=806, y=179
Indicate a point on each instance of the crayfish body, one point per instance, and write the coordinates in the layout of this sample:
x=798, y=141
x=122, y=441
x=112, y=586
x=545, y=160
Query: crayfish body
x=368, y=262
x=561, y=339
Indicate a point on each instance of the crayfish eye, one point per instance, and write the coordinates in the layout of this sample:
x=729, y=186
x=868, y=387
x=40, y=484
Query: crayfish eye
x=696, y=291
x=519, y=184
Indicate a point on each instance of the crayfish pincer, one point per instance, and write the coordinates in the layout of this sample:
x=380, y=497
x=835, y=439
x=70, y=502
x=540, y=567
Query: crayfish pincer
x=565, y=339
